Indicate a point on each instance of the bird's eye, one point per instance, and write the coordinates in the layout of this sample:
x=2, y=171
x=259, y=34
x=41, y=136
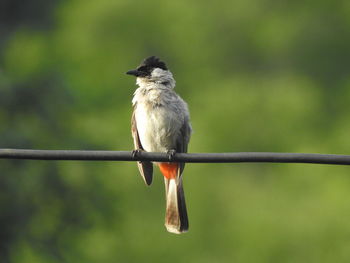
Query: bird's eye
x=142, y=68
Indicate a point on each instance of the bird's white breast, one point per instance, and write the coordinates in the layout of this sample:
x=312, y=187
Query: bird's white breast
x=158, y=119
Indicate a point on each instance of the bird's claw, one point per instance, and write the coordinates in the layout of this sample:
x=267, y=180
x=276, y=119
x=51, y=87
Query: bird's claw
x=135, y=153
x=171, y=154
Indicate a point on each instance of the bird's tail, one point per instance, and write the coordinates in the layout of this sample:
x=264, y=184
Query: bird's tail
x=176, y=220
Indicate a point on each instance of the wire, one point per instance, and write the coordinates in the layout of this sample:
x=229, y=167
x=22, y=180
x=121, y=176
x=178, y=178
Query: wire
x=239, y=157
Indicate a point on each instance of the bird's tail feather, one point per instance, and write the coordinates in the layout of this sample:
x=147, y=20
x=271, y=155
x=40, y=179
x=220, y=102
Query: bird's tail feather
x=176, y=220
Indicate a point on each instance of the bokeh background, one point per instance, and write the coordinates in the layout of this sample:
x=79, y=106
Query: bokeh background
x=258, y=75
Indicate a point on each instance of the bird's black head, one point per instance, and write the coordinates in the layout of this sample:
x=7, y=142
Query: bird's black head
x=146, y=67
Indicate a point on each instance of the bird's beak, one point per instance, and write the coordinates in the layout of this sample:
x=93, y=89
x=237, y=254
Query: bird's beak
x=134, y=72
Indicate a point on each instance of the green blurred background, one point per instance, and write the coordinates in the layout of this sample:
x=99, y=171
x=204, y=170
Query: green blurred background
x=258, y=75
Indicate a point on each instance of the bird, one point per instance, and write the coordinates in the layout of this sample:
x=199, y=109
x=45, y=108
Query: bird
x=160, y=122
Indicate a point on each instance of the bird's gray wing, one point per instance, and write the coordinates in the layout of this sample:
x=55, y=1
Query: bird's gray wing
x=183, y=140
x=145, y=168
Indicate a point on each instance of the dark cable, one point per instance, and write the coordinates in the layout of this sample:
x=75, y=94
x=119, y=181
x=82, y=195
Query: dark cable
x=239, y=157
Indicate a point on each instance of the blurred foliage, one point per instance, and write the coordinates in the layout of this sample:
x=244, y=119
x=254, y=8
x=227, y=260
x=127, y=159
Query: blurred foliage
x=257, y=75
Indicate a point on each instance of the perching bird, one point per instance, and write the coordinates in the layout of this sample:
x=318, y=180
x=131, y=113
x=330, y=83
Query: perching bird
x=161, y=123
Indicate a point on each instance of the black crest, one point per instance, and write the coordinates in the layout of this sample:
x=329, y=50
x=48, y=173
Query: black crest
x=152, y=62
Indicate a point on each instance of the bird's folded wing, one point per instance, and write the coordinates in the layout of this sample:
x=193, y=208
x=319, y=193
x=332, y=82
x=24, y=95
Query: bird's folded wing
x=182, y=140
x=145, y=168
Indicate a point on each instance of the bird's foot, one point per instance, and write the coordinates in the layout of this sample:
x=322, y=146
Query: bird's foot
x=171, y=154
x=136, y=153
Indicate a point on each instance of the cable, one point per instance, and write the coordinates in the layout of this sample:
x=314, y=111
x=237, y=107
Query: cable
x=239, y=157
